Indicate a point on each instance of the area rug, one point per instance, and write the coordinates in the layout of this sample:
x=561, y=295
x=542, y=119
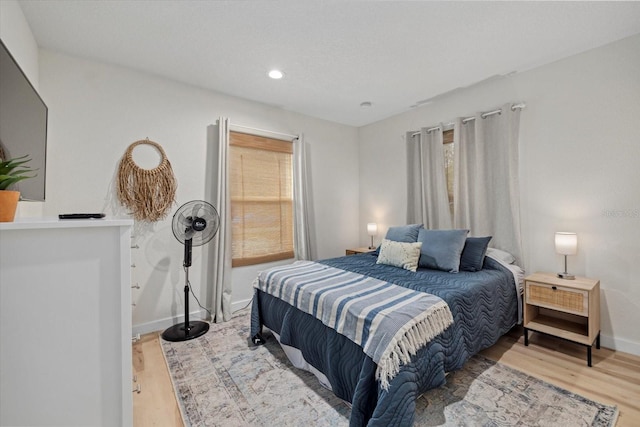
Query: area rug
x=221, y=379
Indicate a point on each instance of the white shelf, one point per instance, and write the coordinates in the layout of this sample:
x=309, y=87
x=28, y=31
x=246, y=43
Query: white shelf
x=54, y=222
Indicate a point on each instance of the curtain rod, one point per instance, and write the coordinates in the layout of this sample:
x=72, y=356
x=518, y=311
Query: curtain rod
x=264, y=131
x=520, y=106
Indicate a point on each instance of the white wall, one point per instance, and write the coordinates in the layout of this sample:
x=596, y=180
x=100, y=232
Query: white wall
x=16, y=35
x=580, y=152
x=96, y=111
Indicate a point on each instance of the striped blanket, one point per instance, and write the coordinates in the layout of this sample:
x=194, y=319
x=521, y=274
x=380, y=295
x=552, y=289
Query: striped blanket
x=391, y=323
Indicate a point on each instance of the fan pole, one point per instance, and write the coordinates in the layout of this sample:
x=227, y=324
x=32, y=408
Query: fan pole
x=187, y=327
x=188, y=330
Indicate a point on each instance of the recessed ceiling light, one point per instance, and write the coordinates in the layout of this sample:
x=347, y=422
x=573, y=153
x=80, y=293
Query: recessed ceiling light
x=365, y=104
x=276, y=74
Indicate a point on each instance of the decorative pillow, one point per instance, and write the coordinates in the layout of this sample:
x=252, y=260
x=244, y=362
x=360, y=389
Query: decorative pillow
x=501, y=255
x=472, y=257
x=404, y=233
x=400, y=254
x=441, y=249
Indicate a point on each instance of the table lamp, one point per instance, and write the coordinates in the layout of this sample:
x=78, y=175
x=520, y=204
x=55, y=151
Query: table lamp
x=566, y=244
x=372, y=230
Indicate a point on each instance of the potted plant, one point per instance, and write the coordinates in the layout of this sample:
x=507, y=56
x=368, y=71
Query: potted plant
x=12, y=171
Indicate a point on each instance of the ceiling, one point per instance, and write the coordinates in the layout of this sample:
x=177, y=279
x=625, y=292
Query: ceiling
x=335, y=54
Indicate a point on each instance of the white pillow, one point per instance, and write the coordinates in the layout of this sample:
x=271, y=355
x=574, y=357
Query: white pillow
x=399, y=254
x=501, y=255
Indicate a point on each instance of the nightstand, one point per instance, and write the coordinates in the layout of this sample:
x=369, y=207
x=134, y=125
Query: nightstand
x=358, y=251
x=568, y=309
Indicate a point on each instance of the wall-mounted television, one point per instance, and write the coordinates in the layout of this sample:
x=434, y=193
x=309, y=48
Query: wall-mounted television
x=23, y=124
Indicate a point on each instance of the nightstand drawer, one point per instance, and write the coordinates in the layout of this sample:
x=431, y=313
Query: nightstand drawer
x=568, y=300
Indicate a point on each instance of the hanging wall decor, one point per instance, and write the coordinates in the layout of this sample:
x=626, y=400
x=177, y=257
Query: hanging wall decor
x=148, y=193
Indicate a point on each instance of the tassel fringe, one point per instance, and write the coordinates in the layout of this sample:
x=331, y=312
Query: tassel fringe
x=407, y=342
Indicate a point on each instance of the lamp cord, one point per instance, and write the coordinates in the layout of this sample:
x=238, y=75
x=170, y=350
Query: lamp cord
x=205, y=308
x=196, y=298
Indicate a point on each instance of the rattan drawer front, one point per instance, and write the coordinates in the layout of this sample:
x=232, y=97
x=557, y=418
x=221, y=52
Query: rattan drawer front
x=569, y=300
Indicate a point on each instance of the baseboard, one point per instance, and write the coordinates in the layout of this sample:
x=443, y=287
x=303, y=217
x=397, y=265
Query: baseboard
x=162, y=324
x=620, y=344
x=239, y=305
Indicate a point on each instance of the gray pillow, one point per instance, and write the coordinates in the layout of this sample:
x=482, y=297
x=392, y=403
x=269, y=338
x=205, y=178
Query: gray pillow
x=441, y=249
x=404, y=233
x=473, y=253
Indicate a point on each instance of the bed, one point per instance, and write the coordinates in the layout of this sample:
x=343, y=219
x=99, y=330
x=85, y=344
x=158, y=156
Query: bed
x=484, y=305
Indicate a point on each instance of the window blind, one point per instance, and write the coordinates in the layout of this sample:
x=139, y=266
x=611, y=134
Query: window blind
x=261, y=187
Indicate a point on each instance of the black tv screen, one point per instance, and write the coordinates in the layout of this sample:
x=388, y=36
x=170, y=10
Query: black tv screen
x=23, y=124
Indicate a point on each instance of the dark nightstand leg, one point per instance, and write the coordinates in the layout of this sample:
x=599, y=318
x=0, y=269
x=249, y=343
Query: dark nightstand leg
x=526, y=336
x=589, y=356
x=598, y=341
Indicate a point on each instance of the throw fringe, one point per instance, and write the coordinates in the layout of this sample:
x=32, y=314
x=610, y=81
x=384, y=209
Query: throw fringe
x=411, y=338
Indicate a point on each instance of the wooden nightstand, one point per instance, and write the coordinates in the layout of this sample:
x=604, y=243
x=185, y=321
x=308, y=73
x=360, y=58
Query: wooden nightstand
x=568, y=309
x=358, y=251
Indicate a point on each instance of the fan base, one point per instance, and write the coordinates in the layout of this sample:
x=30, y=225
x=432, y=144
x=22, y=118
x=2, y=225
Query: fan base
x=179, y=333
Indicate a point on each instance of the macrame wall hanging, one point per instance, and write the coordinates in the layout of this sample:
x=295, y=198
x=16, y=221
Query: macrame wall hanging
x=148, y=193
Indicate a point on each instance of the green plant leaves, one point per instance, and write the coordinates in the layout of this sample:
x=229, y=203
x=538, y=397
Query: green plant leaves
x=14, y=170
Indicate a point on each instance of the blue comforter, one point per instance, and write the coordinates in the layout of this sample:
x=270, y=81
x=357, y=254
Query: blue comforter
x=484, y=306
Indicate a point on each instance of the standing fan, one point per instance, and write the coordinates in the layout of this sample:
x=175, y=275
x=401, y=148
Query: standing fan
x=194, y=224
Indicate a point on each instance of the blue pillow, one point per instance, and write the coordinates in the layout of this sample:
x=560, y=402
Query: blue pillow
x=441, y=249
x=473, y=253
x=404, y=233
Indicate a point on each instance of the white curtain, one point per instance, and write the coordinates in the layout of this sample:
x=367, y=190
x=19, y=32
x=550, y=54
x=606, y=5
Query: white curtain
x=220, y=250
x=486, y=184
x=427, y=198
x=301, y=200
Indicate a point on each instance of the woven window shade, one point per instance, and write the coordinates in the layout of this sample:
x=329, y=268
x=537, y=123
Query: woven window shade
x=261, y=184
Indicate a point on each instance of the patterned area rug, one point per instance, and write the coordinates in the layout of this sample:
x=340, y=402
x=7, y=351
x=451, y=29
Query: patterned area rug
x=221, y=379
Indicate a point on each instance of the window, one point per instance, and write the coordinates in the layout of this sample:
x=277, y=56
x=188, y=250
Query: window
x=447, y=137
x=261, y=186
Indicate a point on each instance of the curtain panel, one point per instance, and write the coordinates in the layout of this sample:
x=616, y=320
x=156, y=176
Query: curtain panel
x=486, y=178
x=427, y=198
x=219, y=295
x=301, y=200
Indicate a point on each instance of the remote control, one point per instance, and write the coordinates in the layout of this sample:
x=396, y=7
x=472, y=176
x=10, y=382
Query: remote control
x=82, y=216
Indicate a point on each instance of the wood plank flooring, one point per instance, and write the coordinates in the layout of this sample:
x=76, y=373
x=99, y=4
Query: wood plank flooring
x=614, y=378
x=155, y=405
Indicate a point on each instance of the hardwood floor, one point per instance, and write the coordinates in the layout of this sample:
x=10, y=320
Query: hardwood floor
x=156, y=404
x=614, y=378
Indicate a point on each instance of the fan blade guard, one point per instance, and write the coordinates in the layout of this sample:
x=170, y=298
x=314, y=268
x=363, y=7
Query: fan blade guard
x=197, y=220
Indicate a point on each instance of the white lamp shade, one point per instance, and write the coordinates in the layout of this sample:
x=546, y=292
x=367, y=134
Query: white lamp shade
x=372, y=228
x=566, y=243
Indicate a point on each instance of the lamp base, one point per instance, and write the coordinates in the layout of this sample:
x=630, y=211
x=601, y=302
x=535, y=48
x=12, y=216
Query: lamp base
x=566, y=276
